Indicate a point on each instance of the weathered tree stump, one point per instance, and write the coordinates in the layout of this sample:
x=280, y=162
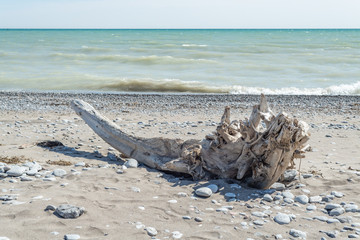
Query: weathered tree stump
x=260, y=148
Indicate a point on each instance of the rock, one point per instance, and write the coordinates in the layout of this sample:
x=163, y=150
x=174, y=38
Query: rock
x=278, y=186
x=259, y=214
x=59, y=172
x=336, y=211
x=267, y=198
x=131, y=163
x=214, y=188
x=80, y=164
x=353, y=236
x=50, y=208
x=331, y=234
x=282, y=218
x=321, y=218
x=177, y=235
x=69, y=211
x=351, y=208
x=289, y=175
x=71, y=237
x=230, y=195
x=303, y=199
x=151, y=231
x=198, y=219
x=337, y=194
x=311, y=208
x=331, y=206
x=186, y=217
x=332, y=220
x=288, y=194
x=315, y=199
x=112, y=156
x=16, y=171
x=25, y=179
x=4, y=238
x=203, y=192
x=259, y=222
x=297, y=233
x=32, y=172
x=307, y=175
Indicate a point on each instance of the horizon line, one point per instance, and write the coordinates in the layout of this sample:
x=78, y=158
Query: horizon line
x=21, y=28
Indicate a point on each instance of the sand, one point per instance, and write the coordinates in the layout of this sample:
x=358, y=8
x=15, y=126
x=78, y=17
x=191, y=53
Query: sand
x=122, y=205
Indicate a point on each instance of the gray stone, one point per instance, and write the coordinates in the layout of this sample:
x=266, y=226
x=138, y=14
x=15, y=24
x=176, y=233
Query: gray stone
x=203, y=192
x=16, y=171
x=288, y=194
x=32, y=172
x=131, y=163
x=177, y=235
x=311, y=208
x=25, y=178
x=69, y=211
x=4, y=238
x=331, y=234
x=288, y=200
x=230, y=195
x=3, y=175
x=259, y=222
x=332, y=220
x=71, y=237
x=259, y=214
x=214, y=188
x=186, y=217
x=297, y=233
x=198, y=219
x=80, y=164
x=268, y=198
x=321, y=218
x=151, y=231
x=331, y=206
x=351, y=208
x=353, y=236
x=303, y=199
x=315, y=199
x=337, y=194
x=336, y=211
x=282, y=218
x=278, y=186
x=289, y=175
x=59, y=172
x=307, y=175
x=50, y=208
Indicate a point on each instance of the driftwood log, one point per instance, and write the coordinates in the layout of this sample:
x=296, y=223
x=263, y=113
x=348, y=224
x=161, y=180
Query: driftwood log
x=258, y=149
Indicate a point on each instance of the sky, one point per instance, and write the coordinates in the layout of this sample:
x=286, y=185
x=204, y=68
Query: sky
x=179, y=13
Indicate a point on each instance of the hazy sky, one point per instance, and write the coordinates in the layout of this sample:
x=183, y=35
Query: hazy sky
x=179, y=13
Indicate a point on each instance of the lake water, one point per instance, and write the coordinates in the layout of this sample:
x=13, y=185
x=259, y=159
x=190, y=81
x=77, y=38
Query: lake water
x=197, y=61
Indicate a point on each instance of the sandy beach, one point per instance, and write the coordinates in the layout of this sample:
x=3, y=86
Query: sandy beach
x=126, y=203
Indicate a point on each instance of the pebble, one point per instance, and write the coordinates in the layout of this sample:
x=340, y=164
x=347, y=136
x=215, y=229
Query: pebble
x=230, y=195
x=214, y=188
x=198, y=219
x=131, y=163
x=289, y=175
x=268, y=198
x=186, y=217
x=177, y=235
x=69, y=211
x=16, y=171
x=288, y=194
x=303, y=199
x=151, y=231
x=59, y=172
x=297, y=233
x=337, y=194
x=80, y=164
x=278, y=186
x=282, y=218
x=259, y=214
x=172, y=201
x=25, y=179
x=4, y=238
x=259, y=222
x=353, y=236
x=50, y=208
x=204, y=192
x=331, y=234
x=311, y=208
x=331, y=206
x=337, y=211
x=315, y=199
x=351, y=208
x=71, y=237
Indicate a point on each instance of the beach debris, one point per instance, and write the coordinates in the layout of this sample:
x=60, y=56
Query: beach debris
x=258, y=149
x=69, y=211
x=59, y=162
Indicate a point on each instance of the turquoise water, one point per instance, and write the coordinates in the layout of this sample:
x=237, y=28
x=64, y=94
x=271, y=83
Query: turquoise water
x=201, y=61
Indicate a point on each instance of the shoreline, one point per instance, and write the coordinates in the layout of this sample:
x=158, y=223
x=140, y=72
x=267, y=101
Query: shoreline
x=123, y=202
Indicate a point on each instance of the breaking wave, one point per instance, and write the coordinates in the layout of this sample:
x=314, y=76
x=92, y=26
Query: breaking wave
x=176, y=85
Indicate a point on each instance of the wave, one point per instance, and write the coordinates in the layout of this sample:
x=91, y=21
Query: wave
x=176, y=85
x=147, y=60
x=87, y=49
x=342, y=89
x=194, y=45
x=163, y=85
